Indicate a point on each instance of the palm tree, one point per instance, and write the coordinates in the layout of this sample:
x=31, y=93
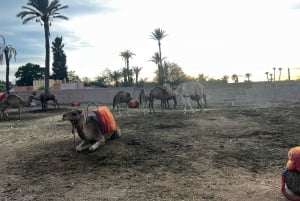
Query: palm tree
x=44, y=13
x=8, y=52
x=235, y=78
x=156, y=59
x=137, y=71
x=271, y=77
x=158, y=34
x=267, y=73
x=274, y=74
x=126, y=55
x=115, y=76
x=248, y=75
x=279, y=73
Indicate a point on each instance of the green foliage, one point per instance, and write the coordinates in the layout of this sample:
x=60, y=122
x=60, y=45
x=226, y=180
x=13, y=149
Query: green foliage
x=72, y=77
x=26, y=74
x=59, y=67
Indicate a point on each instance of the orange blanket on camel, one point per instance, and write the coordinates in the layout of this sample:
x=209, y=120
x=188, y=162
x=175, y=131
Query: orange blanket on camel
x=294, y=159
x=106, y=120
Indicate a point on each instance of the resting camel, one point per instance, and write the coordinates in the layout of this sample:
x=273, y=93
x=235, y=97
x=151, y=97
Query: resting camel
x=119, y=98
x=189, y=90
x=93, y=127
x=12, y=101
x=44, y=98
x=143, y=100
x=160, y=94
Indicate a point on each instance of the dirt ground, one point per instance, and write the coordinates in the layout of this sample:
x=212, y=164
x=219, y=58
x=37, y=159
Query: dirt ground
x=233, y=153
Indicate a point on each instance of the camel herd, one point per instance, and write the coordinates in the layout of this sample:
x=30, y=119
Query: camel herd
x=97, y=126
x=187, y=91
x=15, y=101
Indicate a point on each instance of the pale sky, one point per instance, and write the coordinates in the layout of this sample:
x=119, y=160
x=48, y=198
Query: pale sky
x=213, y=37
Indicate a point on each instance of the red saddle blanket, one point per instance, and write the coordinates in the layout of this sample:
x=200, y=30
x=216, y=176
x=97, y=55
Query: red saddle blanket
x=2, y=95
x=106, y=119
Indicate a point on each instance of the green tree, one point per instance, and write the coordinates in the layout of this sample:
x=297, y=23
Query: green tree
x=115, y=76
x=158, y=34
x=126, y=55
x=137, y=71
x=202, y=78
x=174, y=74
x=44, y=13
x=72, y=77
x=26, y=74
x=248, y=75
x=6, y=52
x=235, y=78
x=59, y=67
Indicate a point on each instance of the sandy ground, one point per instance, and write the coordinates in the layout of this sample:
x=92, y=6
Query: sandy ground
x=233, y=153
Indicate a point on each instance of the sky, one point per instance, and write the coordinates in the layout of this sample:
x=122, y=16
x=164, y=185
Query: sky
x=210, y=37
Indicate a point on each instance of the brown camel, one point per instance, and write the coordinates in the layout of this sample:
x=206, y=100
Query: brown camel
x=93, y=127
x=13, y=101
x=119, y=98
x=162, y=94
x=44, y=98
x=143, y=100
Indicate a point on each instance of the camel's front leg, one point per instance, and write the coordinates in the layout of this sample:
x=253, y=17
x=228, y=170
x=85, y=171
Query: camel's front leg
x=83, y=146
x=98, y=144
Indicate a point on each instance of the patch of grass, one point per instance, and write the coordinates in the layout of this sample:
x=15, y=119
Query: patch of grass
x=13, y=124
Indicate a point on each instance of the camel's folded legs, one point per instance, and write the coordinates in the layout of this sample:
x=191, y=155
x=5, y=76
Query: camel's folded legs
x=98, y=144
x=83, y=146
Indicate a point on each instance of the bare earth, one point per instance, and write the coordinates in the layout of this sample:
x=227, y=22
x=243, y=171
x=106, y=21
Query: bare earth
x=234, y=153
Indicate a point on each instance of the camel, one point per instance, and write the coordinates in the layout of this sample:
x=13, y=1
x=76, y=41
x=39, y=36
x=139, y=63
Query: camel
x=162, y=94
x=143, y=100
x=197, y=99
x=13, y=101
x=119, y=98
x=173, y=96
x=189, y=90
x=93, y=127
x=44, y=98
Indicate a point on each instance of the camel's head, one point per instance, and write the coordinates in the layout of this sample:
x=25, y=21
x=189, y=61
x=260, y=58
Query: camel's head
x=72, y=115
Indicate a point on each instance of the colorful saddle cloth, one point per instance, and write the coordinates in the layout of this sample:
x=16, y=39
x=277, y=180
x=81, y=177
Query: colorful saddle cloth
x=294, y=159
x=106, y=119
x=2, y=95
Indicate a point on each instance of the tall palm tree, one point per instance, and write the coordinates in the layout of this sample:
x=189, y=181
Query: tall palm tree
x=158, y=34
x=126, y=55
x=43, y=12
x=279, y=73
x=274, y=74
x=267, y=73
x=6, y=52
x=137, y=71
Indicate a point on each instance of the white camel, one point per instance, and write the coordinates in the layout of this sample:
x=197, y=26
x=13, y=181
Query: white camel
x=187, y=91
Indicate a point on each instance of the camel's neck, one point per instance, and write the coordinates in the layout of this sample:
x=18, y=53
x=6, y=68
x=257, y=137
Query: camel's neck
x=80, y=126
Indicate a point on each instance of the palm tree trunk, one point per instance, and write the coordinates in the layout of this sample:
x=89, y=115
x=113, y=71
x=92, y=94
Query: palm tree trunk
x=160, y=67
x=47, y=60
x=128, y=76
x=7, y=70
